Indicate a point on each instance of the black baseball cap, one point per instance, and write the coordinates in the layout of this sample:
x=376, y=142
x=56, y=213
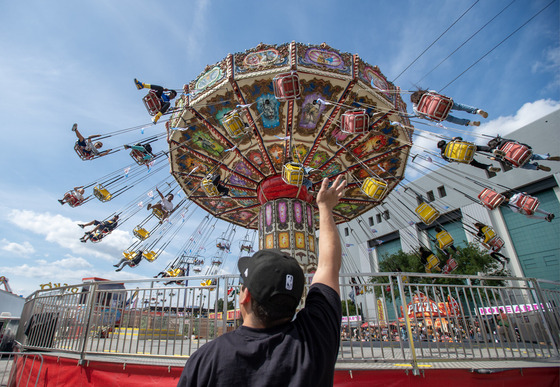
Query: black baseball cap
x=270, y=273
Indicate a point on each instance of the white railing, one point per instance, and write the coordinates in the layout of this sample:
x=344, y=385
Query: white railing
x=446, y=317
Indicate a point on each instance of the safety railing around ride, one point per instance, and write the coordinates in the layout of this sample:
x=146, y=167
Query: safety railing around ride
x=20, y=369
x=387, y=317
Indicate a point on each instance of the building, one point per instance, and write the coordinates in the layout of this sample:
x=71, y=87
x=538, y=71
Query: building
x=532, y=244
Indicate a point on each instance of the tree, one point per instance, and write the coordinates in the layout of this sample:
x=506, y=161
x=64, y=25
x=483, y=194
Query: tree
x=470, y=259
x=220, y=305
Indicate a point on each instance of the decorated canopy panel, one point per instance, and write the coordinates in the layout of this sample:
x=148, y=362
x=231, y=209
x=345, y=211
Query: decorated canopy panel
x=345, y=118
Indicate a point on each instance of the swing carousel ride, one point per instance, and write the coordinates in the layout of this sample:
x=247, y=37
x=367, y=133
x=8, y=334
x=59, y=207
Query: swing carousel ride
x=273, y=122
x=249, y=142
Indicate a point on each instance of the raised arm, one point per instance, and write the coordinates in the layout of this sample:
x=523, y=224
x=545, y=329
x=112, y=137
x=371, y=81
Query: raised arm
x=330, y=250
x=160, y=194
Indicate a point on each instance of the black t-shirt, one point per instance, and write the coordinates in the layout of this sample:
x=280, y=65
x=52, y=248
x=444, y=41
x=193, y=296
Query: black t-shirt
x=302, y=352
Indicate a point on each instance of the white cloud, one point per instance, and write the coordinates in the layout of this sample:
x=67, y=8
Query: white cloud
x=65, y=232
x=528, y=113
x=551, y=64
x=26, y=278
x=23, y=250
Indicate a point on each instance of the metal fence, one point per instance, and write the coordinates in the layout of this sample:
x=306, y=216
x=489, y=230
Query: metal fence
x=20, y=369
x=387, y=317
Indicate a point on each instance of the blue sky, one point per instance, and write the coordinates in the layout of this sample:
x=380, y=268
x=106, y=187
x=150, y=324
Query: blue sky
x=73, y=61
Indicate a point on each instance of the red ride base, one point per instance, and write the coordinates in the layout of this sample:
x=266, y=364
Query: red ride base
x=274, y=188
x=61, y=371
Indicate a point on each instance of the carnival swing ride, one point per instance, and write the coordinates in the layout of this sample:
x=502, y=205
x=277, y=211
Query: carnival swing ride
x=252, y=137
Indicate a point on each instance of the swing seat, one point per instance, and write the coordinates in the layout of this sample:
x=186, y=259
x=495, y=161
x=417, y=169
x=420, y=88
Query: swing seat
x=216, y=262
x=516, y=154
x=427, y=213
x=491, y=199
x=139, y=157
x=292, y=173
x=233, y=124
x=209, y=187
x=222, y=246
x=495, y=244
x=374, y=188
x=246, y=248
x=97, y=236
x=286, y=86
x=354, y=121
x=141, y=233
x=209, y=282
x=150, y=255
x=433, y=262
x=160, y=214
x=173, y=272
x=81, y=152
x=444, y=239
x=102, y=193
x=450, y=266
x=129, y=254
x=152, y=103
x=435, y=106
x=72, y=200
x=527, y=204
x=460, y=151
x=489, y=234
x=197, y=269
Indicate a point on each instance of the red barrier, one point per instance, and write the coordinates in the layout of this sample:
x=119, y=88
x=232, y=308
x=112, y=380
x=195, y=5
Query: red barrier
x=65, y=372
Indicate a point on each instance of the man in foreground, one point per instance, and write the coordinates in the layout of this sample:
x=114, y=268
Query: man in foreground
x=272, y=348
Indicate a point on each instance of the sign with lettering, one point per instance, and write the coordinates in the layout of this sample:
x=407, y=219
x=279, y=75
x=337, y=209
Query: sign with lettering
x=511, y=309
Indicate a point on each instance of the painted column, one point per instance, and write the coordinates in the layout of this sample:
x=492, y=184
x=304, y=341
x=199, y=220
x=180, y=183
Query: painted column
x=287, y=221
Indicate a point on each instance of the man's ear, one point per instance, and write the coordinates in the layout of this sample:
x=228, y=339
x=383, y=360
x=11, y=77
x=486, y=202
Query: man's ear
x=244, y=296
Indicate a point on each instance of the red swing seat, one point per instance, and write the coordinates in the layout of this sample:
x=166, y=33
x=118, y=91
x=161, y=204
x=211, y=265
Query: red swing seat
x=354, y=121
x=435, y=106
x=516, y=154
x=72, y=200
x=82, y=153
x=495, y=244
x=98, y=236
x=527, y=204
x=491, y=199
x=286, y=86
x=152, y=103
x=450, y=266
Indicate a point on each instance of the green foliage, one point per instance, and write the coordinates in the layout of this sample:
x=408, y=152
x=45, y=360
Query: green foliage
x=470, y=259
x=349, y=308
x=220, y=305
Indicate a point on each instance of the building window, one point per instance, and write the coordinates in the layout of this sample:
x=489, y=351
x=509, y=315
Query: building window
x=378, y=218
x=441, y=191
x=346, y=233
x=419, y=200
x=430, y=195
x=370, y=220
x=386, y=215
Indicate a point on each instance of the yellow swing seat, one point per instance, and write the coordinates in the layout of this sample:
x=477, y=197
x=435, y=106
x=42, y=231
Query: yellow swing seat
x=444, y=239
x=489, y=234
x=433, y=262
x=460, y=151
x=141, y=233
x=129, y=254
x=292, y=173
x=233, y=124
x=160, y=214
x=102, y=193
x=427, y=213
x=209, y=187
x=374, y=188
x=150, y=255
x=173, y=272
